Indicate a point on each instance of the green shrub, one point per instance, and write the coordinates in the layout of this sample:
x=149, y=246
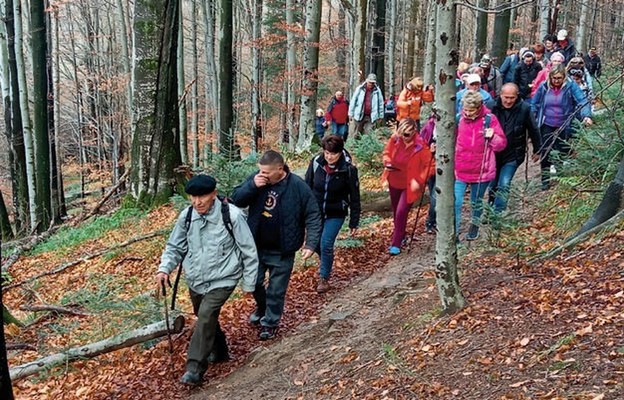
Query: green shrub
x=231, y=173
x=367, y=150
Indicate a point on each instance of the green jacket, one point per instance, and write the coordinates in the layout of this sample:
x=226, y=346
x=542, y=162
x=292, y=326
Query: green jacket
x=214, y=259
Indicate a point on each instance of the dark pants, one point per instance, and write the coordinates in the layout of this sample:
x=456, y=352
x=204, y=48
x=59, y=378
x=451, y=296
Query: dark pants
x=553, y=141
x=207, y=333
x=431, y=215
x=270, y=299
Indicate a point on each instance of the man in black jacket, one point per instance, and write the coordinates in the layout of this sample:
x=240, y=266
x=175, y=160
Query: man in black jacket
x=593, y=64
x=517, y=121
x=282, y=212
x=525, y=74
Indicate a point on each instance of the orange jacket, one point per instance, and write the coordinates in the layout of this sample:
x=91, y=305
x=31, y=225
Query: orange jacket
x=421, y=165
x=409, y=102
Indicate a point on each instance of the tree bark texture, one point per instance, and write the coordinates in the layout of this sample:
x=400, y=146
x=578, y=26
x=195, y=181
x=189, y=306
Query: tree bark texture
x=6, y=388
x=182, y=112
x=379, y=45
x=291, y=67
x=502, y=21
x=447, y=58
x=544, y=18
x=430, y=50
x=6, y=232
x=482, y=31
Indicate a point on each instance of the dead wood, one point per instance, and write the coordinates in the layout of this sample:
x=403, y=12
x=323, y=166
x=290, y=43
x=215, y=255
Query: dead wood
x=104, y=199
x=52, y=308
x=121, y=341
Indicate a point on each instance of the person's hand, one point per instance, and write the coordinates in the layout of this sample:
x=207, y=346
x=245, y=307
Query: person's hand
x=260, y=180
x=353, y=231
x=414, y=186
x=161, y=279
x=489, y=132
x=432, y=148
x=588, y=121
x=306, y=253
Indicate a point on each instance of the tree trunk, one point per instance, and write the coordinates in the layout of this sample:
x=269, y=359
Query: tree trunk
x=39, y=43
x=447, y=279
x=379, y=44
x=256, y=74
x=291, y=65
x=411, y=40
x=430, y=50
x=226, y=79
x=54, y=111
x=6, y=232
x=211, y=82
x=158, y=146
x=24, y=110
x=341, y=50
x=6, y=388
x=581, y=36
x=310, y=75
x=612, y=202
x=184, y=157
x=544, y=18
x=194, y=87
x=127, y=339
x=358, y=68
x=482, y=30
x=502, y=21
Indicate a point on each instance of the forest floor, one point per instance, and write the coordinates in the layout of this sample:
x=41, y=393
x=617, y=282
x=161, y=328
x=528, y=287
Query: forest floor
x=552, y=329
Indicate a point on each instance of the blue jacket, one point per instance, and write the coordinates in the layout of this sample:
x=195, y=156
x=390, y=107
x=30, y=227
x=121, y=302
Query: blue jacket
x=508, y=67
x=572, y=98
x=487, y=99
x=299, y=211
x=356, y=105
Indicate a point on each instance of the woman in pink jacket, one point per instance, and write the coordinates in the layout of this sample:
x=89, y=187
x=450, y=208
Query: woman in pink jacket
x=479, y=136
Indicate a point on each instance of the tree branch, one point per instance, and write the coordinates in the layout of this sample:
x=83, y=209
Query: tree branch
x=497, y=10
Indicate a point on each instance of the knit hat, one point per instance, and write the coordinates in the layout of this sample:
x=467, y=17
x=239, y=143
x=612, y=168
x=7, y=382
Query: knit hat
x=528, y=54
x=557, y=56
x=200, y=185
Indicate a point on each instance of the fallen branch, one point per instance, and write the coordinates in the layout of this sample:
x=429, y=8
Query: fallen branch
x=616, y=219
x=104, y=199
x=121, y=341
x=31, y=242
x=52, y=308
x=20, y=346
x=98, y=253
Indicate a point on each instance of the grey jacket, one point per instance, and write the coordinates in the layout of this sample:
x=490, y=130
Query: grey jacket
x=214, y=259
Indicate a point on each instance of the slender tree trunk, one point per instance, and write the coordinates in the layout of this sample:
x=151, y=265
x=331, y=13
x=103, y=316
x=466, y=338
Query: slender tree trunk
x=226, y=79
x=310, y=75
x=341, y=50
x=182, y=113
x=544, y=11
x=502, y=21
x=411, y=39
x=6, y=388
x=359, y=42
x=24, y=109
x=194, y=86
x=447, y=279
x=6, y=232
x=256, y=74
x=430, y=51
x=482, y=30
x=581, y=37
x=379, y=44
x=211, y=83
x=291, y=66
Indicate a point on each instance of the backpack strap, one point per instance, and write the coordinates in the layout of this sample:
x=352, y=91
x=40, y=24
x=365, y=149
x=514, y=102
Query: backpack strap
x=487, y=120
x=189, y=216
x=225, y=215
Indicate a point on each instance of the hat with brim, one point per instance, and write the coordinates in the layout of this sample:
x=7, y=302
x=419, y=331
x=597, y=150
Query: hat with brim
x=200, y=185
x=562, y=34
x=372, y=78
x=473, y=78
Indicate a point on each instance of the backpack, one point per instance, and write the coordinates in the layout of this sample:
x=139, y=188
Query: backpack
x=225, y=215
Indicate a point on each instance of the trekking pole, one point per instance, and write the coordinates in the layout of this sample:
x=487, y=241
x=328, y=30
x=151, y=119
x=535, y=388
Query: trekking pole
x=164, y=293
x=422, y=196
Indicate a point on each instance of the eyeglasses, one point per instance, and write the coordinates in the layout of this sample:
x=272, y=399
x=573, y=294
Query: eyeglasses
x=557, y=78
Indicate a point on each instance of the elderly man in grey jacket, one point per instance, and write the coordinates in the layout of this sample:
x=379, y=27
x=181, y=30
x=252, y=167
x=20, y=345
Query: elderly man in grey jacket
x=215, y=259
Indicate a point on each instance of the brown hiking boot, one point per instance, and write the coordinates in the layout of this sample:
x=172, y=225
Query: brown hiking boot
x=323, y=286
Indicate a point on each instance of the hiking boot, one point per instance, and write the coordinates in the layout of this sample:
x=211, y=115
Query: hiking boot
x=394, y=251
x=473, y=232
x=267, y=332
x=191, y=378
x=255, y=318
x=217, y=357
x=323, y=286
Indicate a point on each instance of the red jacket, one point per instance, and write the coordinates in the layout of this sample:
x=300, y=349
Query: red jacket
x=474, y=162
x=421, y=165
x=337, y=111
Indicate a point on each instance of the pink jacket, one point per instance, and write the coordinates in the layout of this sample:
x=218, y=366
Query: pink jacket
x=541, y=77
x=471, y=164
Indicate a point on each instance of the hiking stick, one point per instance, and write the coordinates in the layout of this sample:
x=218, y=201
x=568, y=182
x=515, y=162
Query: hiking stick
x=422, y=196
x=164, y=293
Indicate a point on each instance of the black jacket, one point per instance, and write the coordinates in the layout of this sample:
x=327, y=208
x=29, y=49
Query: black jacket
x=524, y=75
x=338, y=192
x=593, y=65
x=298, y=209
x=516, y=122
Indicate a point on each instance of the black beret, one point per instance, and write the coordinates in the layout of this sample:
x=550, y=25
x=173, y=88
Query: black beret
x=200, y=185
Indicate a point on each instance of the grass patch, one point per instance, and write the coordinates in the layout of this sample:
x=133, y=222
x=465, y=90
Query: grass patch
x=68, y=237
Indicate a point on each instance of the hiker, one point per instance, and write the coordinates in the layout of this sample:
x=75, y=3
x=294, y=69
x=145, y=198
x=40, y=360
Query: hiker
x=282, y=213
x=565, y=45
x=366, y=106
x=473, y=83
x=221, y=251
x=492, y=78
x=479, y=136
x=525, y=73
x=579, y=63
x=408, y=163
x=320, y=124
x=578, y=76
x=508, y=68
x=337, y=115
x=555, y=59
x=556, y=102
x=390, y=111
x=593, y=64
x=428, y=134
x=518, y=122
x=336, y=187
x=549, y=46
x=412, y=98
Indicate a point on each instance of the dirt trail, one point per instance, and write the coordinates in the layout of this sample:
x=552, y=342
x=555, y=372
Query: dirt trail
x=348, y=334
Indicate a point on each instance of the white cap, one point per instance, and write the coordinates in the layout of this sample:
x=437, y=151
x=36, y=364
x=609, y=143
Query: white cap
x=473, y=78
x=562, y=34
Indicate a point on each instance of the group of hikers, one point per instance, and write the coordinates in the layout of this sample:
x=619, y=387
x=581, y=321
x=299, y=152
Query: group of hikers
x=219, y=245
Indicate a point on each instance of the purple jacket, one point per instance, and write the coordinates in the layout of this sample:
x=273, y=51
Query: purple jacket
x=474, y=157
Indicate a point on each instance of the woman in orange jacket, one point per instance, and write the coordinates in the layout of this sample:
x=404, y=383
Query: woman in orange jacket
x=411, y=99
x=408, y=163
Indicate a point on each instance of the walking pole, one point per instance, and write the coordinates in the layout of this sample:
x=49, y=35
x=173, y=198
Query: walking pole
x=422, y=196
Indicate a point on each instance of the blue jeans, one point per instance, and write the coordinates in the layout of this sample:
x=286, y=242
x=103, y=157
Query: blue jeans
x=331, y=228
x=270, y=300
x=502, y=185
x=340, y=129
x=477, y=191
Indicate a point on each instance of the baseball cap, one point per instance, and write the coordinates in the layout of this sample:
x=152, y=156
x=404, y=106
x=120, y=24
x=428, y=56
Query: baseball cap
x=562, y=34
x=372, y=78
x=473, y=78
